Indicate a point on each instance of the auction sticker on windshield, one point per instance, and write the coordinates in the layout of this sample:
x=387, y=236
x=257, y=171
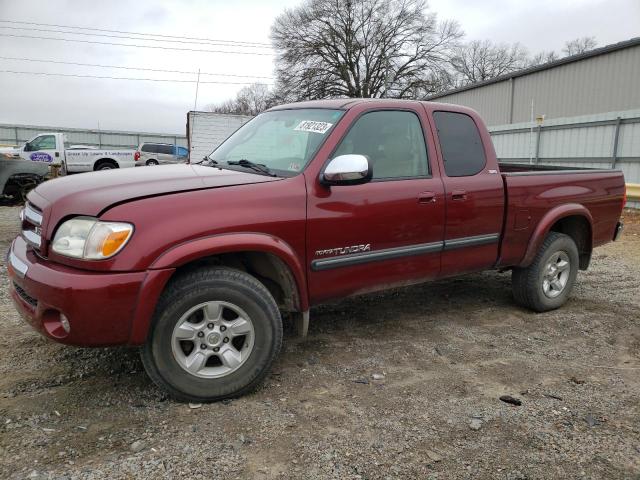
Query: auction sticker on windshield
x=312, y=126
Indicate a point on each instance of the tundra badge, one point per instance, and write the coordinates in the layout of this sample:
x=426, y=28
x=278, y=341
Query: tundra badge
x=344, y=250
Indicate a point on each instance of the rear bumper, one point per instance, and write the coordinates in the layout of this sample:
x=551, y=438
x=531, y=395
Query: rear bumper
x=618, y=231
x=100, y=307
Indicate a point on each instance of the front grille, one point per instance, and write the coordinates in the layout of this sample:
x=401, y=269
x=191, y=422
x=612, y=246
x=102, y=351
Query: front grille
x=31, y=225
x=25, y=296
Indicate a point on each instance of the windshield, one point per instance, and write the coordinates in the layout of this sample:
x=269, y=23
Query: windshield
x=284, y=140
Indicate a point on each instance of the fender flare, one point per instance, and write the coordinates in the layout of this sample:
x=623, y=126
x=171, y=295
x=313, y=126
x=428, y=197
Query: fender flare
x=546, y=222
x=237, y=242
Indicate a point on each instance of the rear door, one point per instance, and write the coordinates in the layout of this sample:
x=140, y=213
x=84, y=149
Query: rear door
x=150, y=151
x=385, y=232
x=474, y=195
x=166, y=153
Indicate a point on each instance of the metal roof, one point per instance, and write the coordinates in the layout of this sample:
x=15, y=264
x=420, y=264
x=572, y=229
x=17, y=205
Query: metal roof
x=545, y=66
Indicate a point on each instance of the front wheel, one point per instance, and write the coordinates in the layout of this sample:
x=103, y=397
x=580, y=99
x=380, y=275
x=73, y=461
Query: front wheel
x=215, y=334
x=547, y=282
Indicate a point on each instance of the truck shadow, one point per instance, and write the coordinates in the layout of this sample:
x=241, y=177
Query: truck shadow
x=454, y=298
x=377, y=317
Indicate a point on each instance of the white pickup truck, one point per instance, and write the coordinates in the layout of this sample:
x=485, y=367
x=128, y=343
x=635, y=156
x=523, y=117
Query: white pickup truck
x=50, y=148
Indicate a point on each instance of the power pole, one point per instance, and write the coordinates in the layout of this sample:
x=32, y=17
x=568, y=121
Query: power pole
x=195, y=103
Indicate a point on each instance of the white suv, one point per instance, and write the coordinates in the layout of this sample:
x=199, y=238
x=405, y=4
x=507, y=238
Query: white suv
x=159, y=153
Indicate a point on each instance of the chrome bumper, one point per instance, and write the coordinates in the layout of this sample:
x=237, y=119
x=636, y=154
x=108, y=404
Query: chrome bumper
x=16, y=264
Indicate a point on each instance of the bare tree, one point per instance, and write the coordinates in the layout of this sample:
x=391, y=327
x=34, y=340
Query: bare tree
x=579, y=45
x=361, y=48
x=478, y=60
x=543, y=57
x=250, y=100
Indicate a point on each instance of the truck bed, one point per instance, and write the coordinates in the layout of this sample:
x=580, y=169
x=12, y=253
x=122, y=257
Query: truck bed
x=536, y=193
x=536, y=169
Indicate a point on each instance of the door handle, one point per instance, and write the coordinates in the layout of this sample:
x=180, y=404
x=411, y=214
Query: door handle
x=427, y=197
x=459, y=195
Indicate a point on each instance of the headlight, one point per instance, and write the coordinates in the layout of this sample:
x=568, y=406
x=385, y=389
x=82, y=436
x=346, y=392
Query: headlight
x=91, y=239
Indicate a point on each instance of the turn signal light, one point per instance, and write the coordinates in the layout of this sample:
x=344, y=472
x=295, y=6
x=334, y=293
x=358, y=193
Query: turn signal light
x=114, y=241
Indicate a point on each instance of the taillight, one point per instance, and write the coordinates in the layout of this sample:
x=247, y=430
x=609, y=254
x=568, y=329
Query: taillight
x=136, y=156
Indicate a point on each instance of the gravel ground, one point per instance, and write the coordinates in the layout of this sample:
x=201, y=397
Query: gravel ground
x=403, y=384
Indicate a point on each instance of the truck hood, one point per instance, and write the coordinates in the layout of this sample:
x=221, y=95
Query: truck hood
x=10, y=151
x=92, y=193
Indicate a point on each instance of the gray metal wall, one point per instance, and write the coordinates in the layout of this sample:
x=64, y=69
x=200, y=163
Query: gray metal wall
x=603, y=83
x=19, y=134
x=608, y=140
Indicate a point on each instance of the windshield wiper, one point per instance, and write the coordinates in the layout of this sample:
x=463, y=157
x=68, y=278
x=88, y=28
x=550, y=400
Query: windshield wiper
x=258, y=167
x=207, y=160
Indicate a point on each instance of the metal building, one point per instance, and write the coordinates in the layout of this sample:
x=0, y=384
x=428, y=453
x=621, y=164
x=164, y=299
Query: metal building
x=580, y=111
x=11, y=134
x=602, y=80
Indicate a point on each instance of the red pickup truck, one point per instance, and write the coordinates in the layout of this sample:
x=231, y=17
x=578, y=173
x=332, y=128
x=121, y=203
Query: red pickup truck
x=306, y=203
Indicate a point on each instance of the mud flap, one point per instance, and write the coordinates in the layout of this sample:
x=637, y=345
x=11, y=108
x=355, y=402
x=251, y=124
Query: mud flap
x=301, y=323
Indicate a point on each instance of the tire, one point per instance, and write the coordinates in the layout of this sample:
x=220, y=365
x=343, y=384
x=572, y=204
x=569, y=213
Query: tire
x=105, y=165
x=531, y=285
x=165, y=358
x=152, y=163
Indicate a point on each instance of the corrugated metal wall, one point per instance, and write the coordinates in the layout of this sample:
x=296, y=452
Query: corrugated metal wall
x=603, y=83
x=19, y=134
x=208, y=130
x=585, y=141
x=491, y=101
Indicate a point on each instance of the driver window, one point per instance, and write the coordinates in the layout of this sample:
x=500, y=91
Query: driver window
x=43, y=142
x=392, y=141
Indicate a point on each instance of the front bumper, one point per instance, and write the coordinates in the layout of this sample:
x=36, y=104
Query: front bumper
x=100, y=307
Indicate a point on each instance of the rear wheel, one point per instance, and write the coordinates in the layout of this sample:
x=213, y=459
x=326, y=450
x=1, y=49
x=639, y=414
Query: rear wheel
x=152, y=163
x=547, y=282
x=215, y=334
x=105, y=165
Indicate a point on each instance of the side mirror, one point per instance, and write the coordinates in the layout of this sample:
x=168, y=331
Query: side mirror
x=350, y=169
x=27, y=147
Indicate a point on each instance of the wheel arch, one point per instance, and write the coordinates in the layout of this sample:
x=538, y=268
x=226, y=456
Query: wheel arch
x=103, y=160
x=271, y=260
x=573, y=220
x=268, y=258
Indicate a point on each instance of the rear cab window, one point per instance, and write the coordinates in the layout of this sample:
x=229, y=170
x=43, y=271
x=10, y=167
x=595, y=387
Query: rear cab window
x=462, y=149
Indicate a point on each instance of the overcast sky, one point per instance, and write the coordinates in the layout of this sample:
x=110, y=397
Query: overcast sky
x=161, y=106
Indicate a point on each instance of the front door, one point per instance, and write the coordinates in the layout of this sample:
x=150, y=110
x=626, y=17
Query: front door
x=41, y=149
x=385, y=232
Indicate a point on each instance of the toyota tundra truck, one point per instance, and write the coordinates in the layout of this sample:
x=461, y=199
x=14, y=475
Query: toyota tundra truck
x=306, y=203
